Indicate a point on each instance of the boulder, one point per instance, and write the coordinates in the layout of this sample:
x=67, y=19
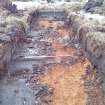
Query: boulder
x=91, y=4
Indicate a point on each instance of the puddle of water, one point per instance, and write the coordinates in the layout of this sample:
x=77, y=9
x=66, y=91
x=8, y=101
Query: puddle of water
x=15, y=92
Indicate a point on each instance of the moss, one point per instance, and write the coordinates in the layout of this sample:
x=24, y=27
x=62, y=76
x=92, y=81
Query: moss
x=20, y=23
x=97, y=36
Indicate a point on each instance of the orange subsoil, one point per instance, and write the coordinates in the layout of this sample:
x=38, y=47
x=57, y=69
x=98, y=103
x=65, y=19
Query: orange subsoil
x=67, y=84
x=65, y=79
x=60, y=49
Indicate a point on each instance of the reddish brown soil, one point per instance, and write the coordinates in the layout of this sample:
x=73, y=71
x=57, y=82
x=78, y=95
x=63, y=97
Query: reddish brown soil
x=66, y=80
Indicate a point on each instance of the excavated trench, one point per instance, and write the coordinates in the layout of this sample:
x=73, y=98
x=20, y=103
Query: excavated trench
x=48, y=69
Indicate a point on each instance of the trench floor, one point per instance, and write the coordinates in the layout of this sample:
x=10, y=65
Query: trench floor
x=47, y=70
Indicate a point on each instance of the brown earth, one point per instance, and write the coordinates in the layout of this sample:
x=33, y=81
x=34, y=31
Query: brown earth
x=68, y=81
